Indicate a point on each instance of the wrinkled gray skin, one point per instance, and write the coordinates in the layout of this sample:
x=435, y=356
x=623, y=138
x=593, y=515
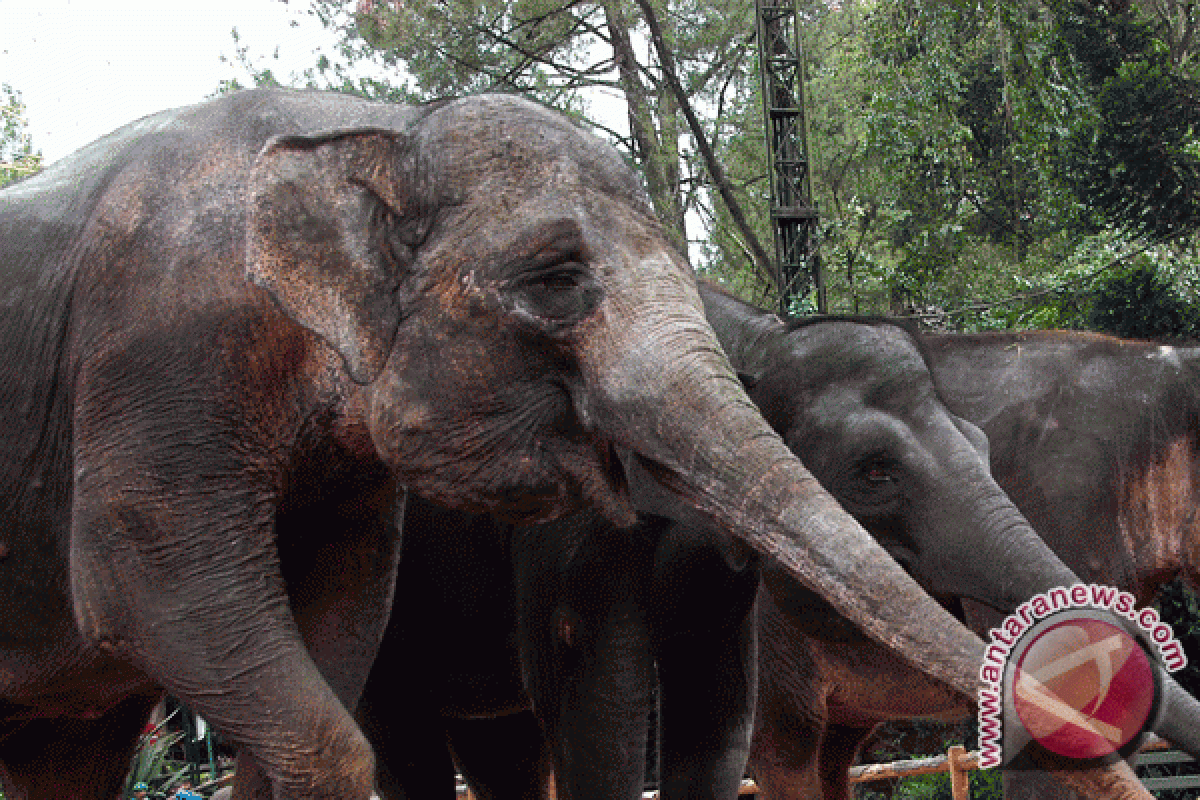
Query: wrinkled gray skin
x=856, y=399
x=1097, y=440
x=948, y=563
x=229, y=332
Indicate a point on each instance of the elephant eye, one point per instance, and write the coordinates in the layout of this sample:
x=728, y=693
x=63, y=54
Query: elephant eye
x=871, y=486
x=878, y=474
x=556, y=296
x=878, y=477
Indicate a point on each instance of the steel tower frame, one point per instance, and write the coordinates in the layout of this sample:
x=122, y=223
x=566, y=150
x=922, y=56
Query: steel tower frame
x=793, y=212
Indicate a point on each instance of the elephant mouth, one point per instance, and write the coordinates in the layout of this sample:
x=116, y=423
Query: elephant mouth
x=606, y=485
x=593, y=472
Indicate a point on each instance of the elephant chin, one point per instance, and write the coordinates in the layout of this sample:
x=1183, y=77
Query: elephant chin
x=590, y=472
x=604, y=485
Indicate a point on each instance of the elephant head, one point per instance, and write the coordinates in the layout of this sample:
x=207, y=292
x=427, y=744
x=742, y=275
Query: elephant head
x=496, y=280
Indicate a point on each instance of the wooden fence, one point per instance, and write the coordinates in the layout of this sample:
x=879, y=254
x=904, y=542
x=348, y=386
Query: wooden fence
x=959, y=763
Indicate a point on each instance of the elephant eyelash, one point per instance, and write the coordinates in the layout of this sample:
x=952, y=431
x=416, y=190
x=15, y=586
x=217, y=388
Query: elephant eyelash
x=874, y=484
x=566, y=273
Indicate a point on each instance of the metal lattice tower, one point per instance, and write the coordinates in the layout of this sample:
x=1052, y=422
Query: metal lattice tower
x=793, y=212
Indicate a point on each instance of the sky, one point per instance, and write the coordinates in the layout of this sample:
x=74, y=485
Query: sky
x=86, y=67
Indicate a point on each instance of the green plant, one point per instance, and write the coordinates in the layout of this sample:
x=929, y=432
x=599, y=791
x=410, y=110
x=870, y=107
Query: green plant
x=150, y=765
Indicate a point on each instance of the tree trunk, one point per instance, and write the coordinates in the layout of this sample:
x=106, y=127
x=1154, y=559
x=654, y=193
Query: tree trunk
x=658, y=153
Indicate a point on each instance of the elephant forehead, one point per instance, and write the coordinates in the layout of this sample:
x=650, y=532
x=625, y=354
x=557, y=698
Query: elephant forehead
x=878, y=357
x=494, y=231
x=501, y=142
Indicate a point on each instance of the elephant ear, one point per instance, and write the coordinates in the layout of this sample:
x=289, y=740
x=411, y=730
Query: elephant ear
x=331, y=235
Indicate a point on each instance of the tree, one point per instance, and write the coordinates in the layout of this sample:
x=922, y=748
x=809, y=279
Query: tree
x=1143, y=302
x=970, y=161
x=18, y=159
x=1135, y=157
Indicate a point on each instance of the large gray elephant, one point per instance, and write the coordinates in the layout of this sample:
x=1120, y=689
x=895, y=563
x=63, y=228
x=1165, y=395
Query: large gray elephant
x=1095, y=440
x=230, y=332
x=856, y=399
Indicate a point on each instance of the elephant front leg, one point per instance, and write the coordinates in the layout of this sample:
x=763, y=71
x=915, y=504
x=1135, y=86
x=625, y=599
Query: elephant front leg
x=502, y=758
x=339, y=565
x=708, y=675
x=588, y=664
x=708, y=682
x=598, y=711
x=187, y=585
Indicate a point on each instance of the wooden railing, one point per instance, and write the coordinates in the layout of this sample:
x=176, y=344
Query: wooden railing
x=959, y=762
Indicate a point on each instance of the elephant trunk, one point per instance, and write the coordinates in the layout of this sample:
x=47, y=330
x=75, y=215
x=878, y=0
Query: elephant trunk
x=709, y=447
x=1179, y=718
x=1013, y=564
x=986, y=550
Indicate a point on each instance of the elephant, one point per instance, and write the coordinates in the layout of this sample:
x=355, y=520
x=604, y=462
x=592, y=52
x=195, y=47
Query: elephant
x=1094, y=440
x=856, y=400
x=232, y=332
x=446, y=686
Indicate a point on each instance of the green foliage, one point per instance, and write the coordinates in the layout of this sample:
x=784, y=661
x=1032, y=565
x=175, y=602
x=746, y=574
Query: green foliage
x=901, y=741
x=1180, y=608
x=18, y=159
x=150, y=764
x=1135, y=157
x=1143, y=302
x=984, y=785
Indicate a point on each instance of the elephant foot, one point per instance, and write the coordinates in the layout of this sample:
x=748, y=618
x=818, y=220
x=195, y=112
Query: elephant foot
x=839, y=751
x=72, y=757
x=518, y=771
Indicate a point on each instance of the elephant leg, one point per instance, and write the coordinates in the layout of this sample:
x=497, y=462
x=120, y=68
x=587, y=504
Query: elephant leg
x=412, y=760
x=1034, y=785
x=587, y=656
x=398, y=713
x=792, y=711
x=782, y=780
x=340, y=585
x=839, y=750
x=73, y=757
x=701, y=607
x=708, y=677
x=502, y=758
x=414, y=765
x=189, y=589
x=597, y=708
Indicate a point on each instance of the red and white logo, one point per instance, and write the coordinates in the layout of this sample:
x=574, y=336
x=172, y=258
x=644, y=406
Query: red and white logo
x=1084, y=688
